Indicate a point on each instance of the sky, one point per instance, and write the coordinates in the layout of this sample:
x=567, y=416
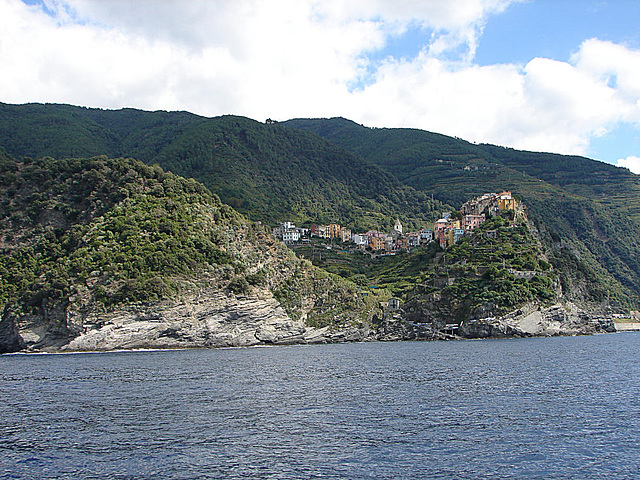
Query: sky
x=557, y=76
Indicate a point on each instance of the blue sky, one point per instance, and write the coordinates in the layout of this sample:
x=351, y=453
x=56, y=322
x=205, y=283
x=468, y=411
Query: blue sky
x=547, y=75
x=552, y=29
x=555, y=29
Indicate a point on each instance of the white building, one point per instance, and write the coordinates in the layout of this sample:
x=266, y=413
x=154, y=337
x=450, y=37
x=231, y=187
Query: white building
x=360, y=239
x=398, y=227
x=289, y=236
x=426, y=236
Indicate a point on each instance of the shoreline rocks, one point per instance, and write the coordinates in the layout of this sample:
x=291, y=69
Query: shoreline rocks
x=538, y=321
x=10, y=338
x=216, y=319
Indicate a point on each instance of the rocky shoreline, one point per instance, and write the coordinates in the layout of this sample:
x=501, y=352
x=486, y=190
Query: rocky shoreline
x=222, y=320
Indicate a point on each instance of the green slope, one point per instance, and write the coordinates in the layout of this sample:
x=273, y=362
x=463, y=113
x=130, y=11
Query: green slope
x=361, y=177
x=80, y=237
x=589, y=209
x=268, y=172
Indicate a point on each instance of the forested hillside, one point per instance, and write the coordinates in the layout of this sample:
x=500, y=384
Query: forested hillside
x=335, y=170
x=82, y=237
x=268, y=172
x=587, y=210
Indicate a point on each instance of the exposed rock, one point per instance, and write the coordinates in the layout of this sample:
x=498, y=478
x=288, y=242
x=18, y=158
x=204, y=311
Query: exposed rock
x=216, y=319
x=533, y=320
x=50, y=327
x=210, y=319
x=10, y=339
x=530, y=320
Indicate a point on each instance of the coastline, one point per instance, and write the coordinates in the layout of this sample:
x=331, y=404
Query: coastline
x=627, y=326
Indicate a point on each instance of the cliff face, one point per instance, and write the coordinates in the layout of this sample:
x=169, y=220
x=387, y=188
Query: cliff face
x=10, y=338
x=214, y=319
x=499, y=283
x=208, y=319
x=102, y=254
x=538, y=320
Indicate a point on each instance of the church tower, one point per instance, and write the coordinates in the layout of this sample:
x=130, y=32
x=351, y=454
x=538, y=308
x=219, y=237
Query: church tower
x=398, y=227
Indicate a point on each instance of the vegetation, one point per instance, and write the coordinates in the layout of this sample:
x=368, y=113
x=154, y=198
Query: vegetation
x=122, y=227
x=498, y=268
x=396, y=274
x=587, y=212
x=92, y=234
x=266, y=171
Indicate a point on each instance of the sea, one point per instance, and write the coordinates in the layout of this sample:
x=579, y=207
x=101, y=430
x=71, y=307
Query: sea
x=545, y=408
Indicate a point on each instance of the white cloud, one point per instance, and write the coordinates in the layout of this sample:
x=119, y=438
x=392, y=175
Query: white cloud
x=252, y=57
x=545, y=105
x=298, y=58
x=614, y=64
x=632, y=163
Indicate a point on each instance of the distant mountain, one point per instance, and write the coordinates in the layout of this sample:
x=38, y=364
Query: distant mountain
x=457, y=170
x=269, y=172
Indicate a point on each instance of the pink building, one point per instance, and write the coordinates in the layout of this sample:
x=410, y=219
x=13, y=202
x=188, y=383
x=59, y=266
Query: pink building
x=471, y=221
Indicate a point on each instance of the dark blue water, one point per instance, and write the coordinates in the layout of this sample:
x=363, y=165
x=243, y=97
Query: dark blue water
x=531, y=408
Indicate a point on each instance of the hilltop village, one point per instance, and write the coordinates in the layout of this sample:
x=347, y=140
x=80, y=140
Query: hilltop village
x=447, y=231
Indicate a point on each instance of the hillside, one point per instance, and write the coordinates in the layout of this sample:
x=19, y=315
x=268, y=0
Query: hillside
x=86, y=239
x=92, y=251
x=587, y=210
x=266, y=171
x=450, y=166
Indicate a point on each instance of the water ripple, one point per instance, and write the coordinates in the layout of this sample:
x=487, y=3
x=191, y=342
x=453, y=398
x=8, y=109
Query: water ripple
x=532, y=408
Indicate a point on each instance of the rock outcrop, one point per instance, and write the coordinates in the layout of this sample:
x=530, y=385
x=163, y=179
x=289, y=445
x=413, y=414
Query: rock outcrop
x=10, y=339
x=532, y=320
x=206, y=320
x=215, y=319
x=535, y=320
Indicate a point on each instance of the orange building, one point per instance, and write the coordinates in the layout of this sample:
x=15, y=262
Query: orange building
x=378, y=243
x=333, y=229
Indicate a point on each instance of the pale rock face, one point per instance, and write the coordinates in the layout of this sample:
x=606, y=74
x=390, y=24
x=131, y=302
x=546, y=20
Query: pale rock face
x=211, y=320
x=534, y=320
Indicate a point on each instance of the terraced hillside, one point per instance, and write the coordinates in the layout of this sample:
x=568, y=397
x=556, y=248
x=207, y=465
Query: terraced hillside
x=587, y=210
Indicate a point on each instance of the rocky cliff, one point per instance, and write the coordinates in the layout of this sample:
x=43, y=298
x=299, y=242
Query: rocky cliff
x=531, y=320
x=101, y=254
x=498, y=282
x=209, y=319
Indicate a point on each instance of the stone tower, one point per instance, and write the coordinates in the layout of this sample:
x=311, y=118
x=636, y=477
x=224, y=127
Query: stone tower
x=398, y=227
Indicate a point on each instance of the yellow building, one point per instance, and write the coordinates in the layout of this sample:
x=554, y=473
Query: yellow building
x=506, y=201
x=378, y=243
x=333, y=230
